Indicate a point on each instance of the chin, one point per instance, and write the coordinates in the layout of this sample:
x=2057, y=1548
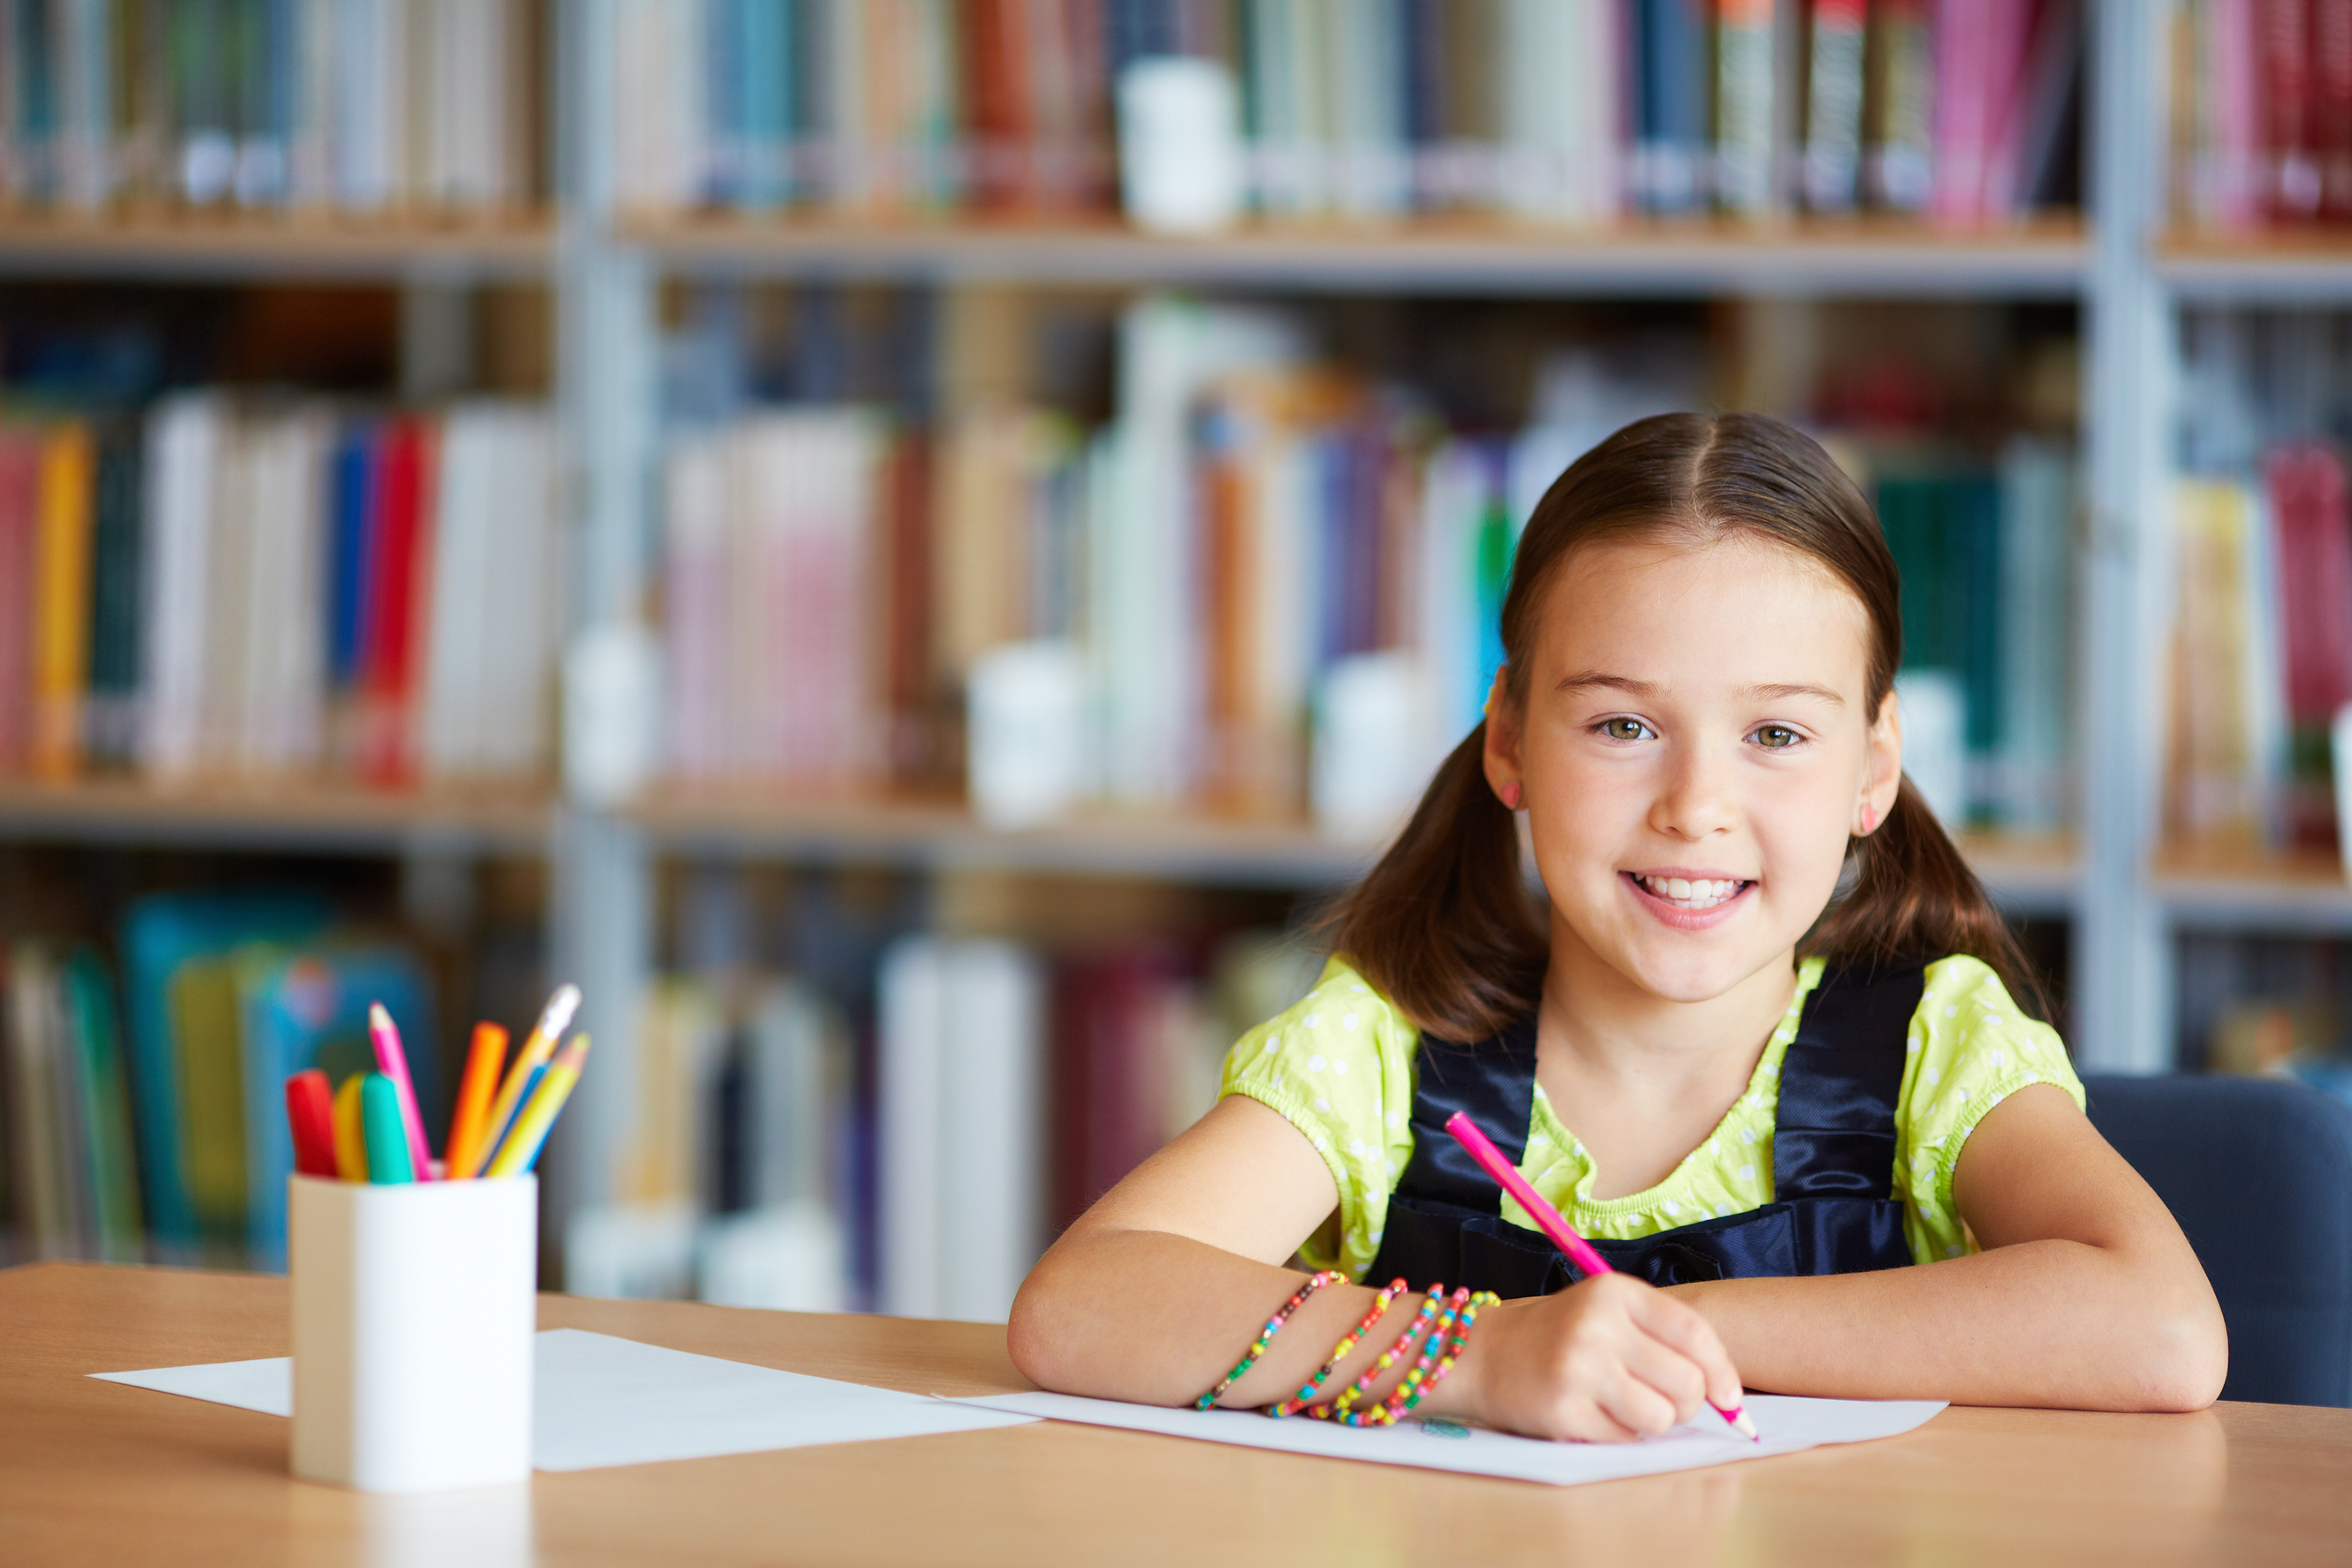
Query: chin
x=1688, y=976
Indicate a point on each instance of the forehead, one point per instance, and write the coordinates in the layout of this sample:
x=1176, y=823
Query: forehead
x=1735, y=610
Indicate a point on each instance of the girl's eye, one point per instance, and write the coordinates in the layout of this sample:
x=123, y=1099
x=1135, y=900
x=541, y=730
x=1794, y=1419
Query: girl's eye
x=1624, y=729
x=1776, y=737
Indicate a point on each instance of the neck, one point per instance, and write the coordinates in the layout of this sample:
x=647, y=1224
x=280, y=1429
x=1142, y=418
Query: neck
x=1613, y=1026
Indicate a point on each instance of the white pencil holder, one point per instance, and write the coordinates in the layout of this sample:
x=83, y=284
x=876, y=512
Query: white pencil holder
x=415, y=1308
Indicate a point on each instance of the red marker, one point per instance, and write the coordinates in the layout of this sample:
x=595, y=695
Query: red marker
x=310, y=1114
x=1579, y=1251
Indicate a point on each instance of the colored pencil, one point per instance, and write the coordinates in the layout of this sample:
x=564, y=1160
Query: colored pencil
x=537, y=1047
x=310, y=1117
x=393, y=1062
x=520, y=1153
x=470, y=1120
x=387, y=1140
x=1563, y=1236
x=351, y=1143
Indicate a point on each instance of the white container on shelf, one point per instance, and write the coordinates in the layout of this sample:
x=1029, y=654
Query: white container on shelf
x=1180, y=145
x=415, y=1308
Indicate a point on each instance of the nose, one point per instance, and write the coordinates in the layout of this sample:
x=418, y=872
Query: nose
x=1694, y=797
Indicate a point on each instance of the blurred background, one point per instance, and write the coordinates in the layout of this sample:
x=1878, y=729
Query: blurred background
x=908, y=546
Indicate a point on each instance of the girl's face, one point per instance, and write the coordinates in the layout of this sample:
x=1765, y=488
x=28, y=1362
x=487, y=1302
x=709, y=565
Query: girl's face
x=1693, y=751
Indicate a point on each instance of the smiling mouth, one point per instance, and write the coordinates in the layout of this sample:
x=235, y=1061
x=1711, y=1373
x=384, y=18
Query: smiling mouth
x=1691, y=894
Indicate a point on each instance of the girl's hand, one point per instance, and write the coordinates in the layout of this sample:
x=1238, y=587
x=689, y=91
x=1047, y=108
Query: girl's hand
x=1606, y=1361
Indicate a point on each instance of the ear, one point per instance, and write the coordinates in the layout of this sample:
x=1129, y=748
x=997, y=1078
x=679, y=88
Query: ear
x=1882, y=772
x=1502, y=756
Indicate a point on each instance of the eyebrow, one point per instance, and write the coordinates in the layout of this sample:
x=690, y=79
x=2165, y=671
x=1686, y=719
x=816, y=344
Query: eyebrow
x=1633, y=687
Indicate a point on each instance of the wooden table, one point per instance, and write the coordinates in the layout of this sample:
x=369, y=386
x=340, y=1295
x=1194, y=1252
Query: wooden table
x=94, y=1474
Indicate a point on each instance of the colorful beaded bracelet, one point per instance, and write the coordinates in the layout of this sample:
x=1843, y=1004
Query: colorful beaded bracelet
x=1347, y=1341
x=1402, y=1346
x=1462, y=1312
x=1266, y=1335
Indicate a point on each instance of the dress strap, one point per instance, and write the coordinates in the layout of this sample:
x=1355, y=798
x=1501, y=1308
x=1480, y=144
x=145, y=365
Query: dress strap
x=1495, y=1081
x=1840, y=1081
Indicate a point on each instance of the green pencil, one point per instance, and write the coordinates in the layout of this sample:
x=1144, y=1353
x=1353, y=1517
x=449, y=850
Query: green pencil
x=385, y=1133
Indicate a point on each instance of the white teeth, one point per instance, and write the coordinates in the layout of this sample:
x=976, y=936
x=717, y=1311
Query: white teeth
x=1685, y=893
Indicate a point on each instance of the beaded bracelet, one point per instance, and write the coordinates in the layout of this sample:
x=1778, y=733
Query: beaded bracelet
x=1347, y=1341
x=1266, y=1335
x=1382, y=1414
x=1422, y=1378
x=1402, y=1346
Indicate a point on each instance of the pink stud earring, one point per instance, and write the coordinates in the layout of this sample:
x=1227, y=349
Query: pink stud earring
x=1869, y=820
x=1510, y=792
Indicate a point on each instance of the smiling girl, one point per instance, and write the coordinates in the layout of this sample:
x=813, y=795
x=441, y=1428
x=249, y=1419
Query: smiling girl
x=1756, y=1038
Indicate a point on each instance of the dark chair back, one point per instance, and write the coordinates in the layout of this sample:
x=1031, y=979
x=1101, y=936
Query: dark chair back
x=2259, y=1173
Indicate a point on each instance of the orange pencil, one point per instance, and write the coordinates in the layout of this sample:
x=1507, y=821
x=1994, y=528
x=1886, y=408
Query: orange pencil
x=474, y=1091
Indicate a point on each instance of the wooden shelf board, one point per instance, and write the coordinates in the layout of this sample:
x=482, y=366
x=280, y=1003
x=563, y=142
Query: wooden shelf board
x=935, y=835
x=2292, y=893
x=2048, y=258
x=2026, y=874
x=275, y=815
x=2289, y=265
x=2031, y=875
x=297, y=244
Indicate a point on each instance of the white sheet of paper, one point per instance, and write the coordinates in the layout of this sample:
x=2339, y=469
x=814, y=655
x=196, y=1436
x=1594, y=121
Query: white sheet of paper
x=603, y=1401
x=1786, y=1425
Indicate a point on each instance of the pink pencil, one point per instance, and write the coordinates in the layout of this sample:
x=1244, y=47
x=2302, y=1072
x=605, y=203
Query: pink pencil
x=393, y=1062
x=1547, y=1218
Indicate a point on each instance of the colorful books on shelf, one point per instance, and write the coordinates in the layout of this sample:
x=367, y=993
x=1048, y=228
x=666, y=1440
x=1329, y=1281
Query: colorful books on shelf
x=1986, y=554
x=1555, y=110
x=72, y=1180
x=2261, y=654
x=360, y=107
x=279, y=589
x=732, y=1176
x=2261, y=107
x=146, y=1121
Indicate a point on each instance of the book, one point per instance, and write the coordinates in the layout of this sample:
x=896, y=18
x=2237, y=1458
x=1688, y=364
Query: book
x=163, y=936
x=305, y=1006
x=1833, y=96
x=961, y=1087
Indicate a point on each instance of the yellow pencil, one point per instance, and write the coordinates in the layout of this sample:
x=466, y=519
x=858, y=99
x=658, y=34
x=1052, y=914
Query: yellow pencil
x=520, y=1149
x=553, y=1019
x=351, y=1146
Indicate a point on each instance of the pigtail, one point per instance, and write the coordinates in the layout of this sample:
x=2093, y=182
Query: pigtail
x=1913, y=894
x=1446, y=926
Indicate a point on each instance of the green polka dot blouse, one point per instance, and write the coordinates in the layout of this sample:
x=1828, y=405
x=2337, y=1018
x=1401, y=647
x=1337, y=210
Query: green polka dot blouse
x=1339, y=1067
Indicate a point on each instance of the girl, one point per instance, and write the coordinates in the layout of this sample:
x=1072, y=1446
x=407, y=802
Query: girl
x=1762, y=1089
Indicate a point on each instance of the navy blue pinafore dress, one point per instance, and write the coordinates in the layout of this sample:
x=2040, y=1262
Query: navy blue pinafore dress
x=1833, y=1209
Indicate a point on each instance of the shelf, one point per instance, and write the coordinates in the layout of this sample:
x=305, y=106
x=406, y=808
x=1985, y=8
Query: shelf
x=2028, y=876
x=183, y=244
x=272, y=815
x=2047, y=258
x=2287, y=267
x=931, y=836
x=2301, y=893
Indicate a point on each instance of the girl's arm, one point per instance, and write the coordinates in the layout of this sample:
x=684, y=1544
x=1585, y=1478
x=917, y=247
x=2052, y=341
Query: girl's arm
x=1155, y=1293
x=2085, y=1296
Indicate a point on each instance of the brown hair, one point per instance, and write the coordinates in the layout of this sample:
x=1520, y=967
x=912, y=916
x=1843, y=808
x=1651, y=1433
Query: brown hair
x=1445, y=925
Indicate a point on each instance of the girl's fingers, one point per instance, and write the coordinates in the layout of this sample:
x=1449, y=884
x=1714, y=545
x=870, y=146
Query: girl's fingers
x=1669, y=1322
x=1637, y=1406
x=1678, y=1379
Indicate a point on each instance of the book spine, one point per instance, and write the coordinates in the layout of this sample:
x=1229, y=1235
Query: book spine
x=1899, y=160
x=1833, y=104
x=60, y=674
x=1743, y=106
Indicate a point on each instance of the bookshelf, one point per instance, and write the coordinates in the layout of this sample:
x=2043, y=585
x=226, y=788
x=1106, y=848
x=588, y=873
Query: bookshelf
x=245, y=247
x=609, y=267
x=1862, y=258
x=274, y=815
